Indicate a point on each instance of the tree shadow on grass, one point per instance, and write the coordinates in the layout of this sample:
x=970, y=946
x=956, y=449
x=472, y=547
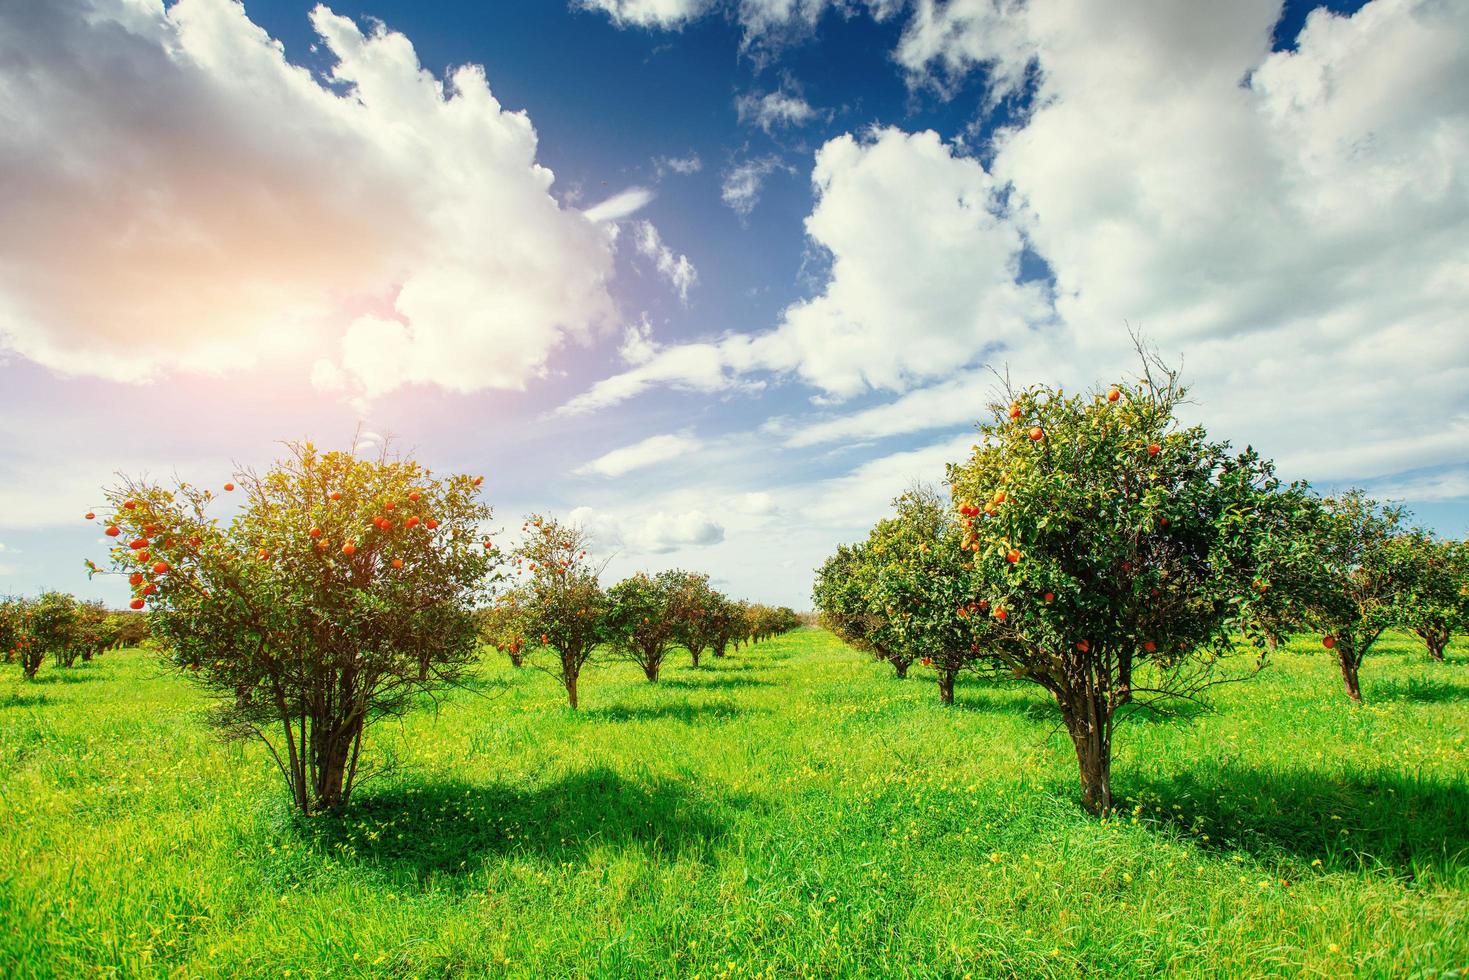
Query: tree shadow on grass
x=1412, y=826
x=1419, y=691
x=684, y=712
x=714, y=682
x=447, y=829
x=65, y=675
x=989, y=699
x=22, y=699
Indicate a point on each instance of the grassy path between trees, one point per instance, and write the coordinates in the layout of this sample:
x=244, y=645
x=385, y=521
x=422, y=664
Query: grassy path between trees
x=792, y=810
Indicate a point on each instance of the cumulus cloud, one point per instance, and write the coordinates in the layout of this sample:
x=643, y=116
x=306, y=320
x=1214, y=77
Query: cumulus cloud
x=677, y=269
x=1252, y=209
x=219, y=203
x=924, y=275
x=664, y=14
x=772, y=110
x=654, y=449
x=658, y=533
x=764, y=22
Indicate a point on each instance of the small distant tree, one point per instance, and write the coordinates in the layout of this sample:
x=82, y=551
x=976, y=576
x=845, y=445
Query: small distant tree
x=847, y=597
x=17, y=634
x=1432, y=577
x=927, y=587
x=724, y=620
x=54, y=629
x=502, y=625
x=338, y=592
x=561, y=605
x=640, y=624
x=130, y=628
x=91, y=635
x=694, y=608
x=1110, y=545
x=1355, y=594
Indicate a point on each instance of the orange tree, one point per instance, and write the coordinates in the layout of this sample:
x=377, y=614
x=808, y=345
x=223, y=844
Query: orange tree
x=695, y=609
x=17, y=634
x=562, y=609
x=640, y=622
x=339, y=590
x=844, y=597
x=54, y=629
x=1114, y=549
x=1432, y=575
x=90, y=634
x=502, y=625
x=1355, y=592
x=926, y=587
x=723, y=623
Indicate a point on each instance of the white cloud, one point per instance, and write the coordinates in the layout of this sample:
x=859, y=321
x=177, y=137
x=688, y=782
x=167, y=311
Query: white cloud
x=859, y=498
x=764, y=22
x=743, y=182
x=677, y=269
x=703, y=367
x=620, y=205
x=665, y=14
x=1296, y=223
x=220, y=204
x=655, y=449
x=1451, y=485
x=756, y=503
x=657, y=533
x=683, y=166
x=773, y=110
x=923, y=279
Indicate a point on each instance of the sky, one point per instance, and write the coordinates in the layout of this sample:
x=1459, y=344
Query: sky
x=716, y=279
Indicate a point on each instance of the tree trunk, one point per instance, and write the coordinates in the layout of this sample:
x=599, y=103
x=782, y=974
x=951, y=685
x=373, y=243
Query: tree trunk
x=1089, y=722
x=946, y=685
x=717, y=650
x=1272, y=640
x=570, y=680
x=650, y=668
x=1436, y=641
x=331, y=767
x=900, y=667
x=516, y=660
x=1349, y=665
x=696, y=654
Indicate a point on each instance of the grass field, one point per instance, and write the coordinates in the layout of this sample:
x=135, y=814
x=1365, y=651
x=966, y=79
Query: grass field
x=793, y=810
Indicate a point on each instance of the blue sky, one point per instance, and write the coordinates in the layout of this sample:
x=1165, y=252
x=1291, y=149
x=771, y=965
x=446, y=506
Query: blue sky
x=233, y=226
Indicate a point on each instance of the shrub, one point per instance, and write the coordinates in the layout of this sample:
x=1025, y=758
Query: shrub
x=340, y=590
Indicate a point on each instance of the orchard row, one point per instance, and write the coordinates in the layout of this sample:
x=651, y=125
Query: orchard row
x=558, y=616
x=64, y=628
x=339, y=589
x=1094, y=546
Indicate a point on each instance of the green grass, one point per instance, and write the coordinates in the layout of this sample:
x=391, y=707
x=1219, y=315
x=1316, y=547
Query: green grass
x=793, y=810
